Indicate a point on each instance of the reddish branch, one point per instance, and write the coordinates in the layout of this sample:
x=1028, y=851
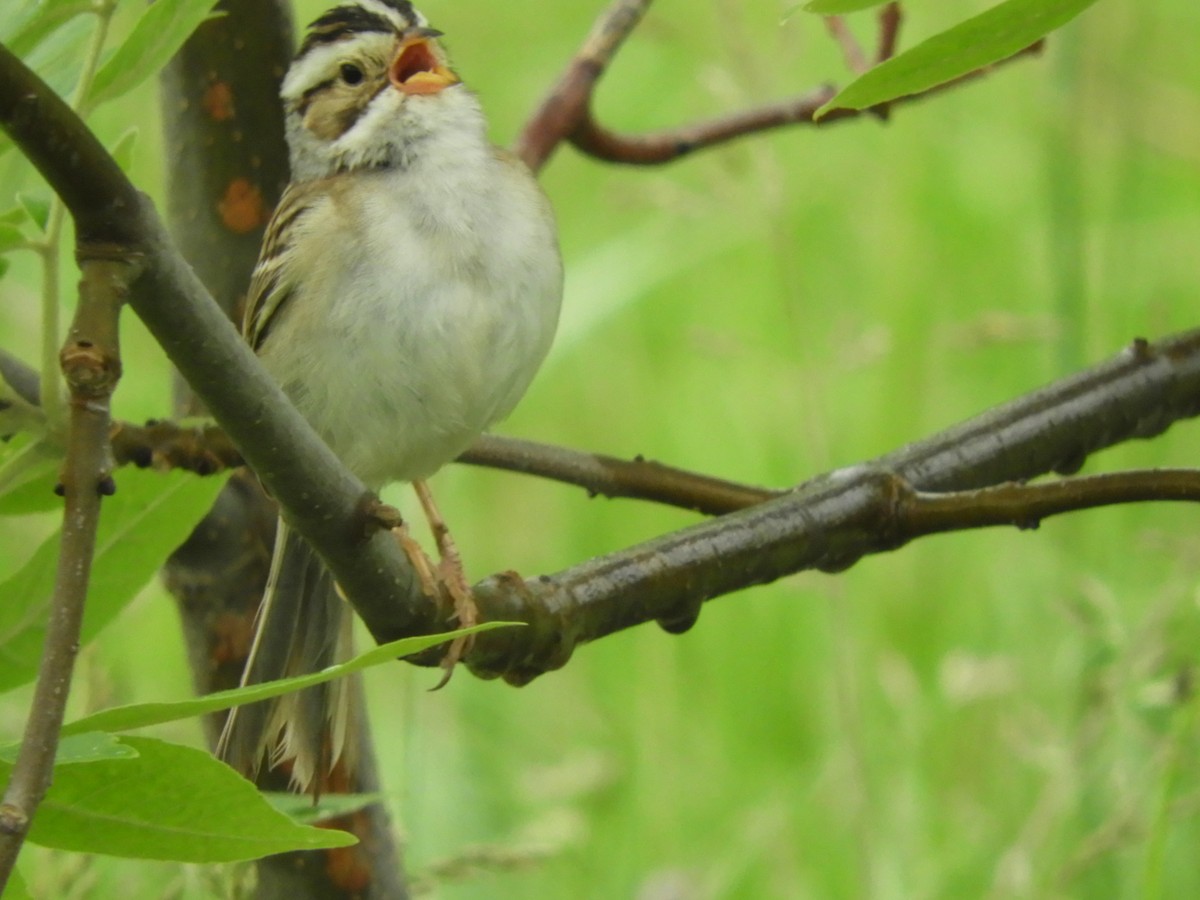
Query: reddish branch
x=566, y=113
x=206, y=449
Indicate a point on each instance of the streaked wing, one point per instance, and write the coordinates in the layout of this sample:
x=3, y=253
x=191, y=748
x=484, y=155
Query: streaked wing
x=270, y=286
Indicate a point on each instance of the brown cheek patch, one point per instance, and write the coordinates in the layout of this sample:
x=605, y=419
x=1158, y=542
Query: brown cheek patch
x=335, y=111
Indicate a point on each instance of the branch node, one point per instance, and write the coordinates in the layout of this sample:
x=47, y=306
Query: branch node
x=13, y=819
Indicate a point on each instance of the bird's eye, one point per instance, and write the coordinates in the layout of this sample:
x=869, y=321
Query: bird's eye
x=351, y=74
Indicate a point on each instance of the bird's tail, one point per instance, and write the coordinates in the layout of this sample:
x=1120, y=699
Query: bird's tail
x=303, y=626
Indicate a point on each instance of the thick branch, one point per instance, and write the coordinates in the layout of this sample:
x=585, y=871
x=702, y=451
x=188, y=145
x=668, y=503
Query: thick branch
x=832, y=521
x=92, y=365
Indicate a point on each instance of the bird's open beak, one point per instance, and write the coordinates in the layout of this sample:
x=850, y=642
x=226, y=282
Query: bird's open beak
x=420, y=66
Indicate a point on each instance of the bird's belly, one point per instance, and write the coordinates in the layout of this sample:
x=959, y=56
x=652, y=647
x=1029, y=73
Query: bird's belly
x=409, y=367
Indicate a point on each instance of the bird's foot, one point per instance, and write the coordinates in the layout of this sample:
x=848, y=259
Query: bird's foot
x=453, y=580
x=378, y=515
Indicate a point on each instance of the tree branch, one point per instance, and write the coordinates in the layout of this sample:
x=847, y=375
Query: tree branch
x=566, y=105
x=91, y=363
x=206, y=449
x=832, y=521
x=1026, y=505
x=566, y=112
x=828, y=523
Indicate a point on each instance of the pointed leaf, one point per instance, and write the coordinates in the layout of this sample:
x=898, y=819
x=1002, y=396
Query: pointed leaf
x=16, y=889
x=11, y=237
x=170, y=802
x=79, y=748
x=150, y=515
x=139, y=715
x=26, y=23
x=300, y=807
x=980, y=41
x=36, y=206
x=122, y=150
x=158, y=34
x=27, y=477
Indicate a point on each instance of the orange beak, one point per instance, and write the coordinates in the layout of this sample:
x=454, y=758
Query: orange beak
x=419, y=66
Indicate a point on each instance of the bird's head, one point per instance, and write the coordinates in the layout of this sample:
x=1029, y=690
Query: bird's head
x=369, y=85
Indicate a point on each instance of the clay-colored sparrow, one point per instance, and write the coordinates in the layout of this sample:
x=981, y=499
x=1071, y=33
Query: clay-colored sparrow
x=407, y=290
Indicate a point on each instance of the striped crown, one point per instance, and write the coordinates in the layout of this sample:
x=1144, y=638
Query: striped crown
x=349, y=19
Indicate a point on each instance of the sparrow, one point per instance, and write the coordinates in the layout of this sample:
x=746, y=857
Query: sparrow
x=407, y=291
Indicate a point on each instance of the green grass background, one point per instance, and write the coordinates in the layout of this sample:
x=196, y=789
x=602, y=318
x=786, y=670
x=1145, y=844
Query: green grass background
x=978, y=715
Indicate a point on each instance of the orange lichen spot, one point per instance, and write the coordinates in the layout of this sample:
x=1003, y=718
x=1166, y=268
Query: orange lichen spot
x=242, y=208
x=218, y=101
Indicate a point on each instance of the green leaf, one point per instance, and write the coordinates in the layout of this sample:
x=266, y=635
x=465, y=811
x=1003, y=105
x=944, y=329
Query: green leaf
x=26, y=23
x=122, y=150
x=987, y=38
x=16, y=889
x=300, y=807
x=151, y=514
x=28, y=474
x=10, y=237
x=158, y=34
x=139, y=715
x=90, y=746
x=59, y=55
x=834, y=7
x=170, y=802
x=36, y=206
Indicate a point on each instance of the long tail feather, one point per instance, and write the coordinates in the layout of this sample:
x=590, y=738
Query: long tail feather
x=303, y=626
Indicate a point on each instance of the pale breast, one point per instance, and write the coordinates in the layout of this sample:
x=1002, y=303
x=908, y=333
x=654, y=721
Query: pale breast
x=426, y=329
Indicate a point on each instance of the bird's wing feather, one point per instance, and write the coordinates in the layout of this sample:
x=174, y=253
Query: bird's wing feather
x=271, y=283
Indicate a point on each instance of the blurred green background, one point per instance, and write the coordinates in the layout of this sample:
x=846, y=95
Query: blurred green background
x=980, y=715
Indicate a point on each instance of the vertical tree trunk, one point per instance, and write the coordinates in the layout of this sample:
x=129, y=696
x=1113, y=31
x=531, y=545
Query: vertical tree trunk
x=227, y=166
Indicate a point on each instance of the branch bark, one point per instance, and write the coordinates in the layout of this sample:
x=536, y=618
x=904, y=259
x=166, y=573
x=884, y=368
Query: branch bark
x=827, y=523
x=91, y=362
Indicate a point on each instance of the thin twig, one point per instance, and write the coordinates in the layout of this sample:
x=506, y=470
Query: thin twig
x=566, y=113
x=1026, y=505
x=890, y=17
x=91, y=364
x=206, y=449
x=852, y=51
x=566, y=105
x=608, y=476
x=659, y=147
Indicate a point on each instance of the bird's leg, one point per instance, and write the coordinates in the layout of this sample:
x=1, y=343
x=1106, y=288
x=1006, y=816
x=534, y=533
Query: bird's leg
x=453, y=579
x=382, y=515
